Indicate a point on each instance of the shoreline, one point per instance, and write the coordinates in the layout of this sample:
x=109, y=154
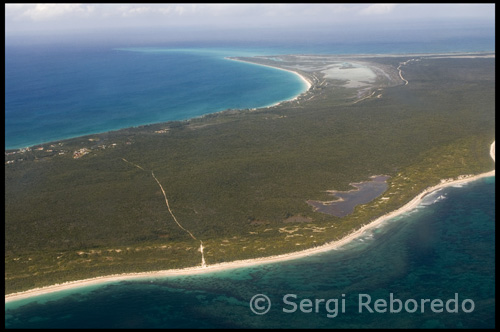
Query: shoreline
x=305, y=80
x=486, y=54
x=250, y=262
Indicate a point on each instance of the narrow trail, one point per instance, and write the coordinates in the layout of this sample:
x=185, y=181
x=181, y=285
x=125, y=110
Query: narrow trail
x=369, y=96
x=400, y=75
x=203, y=263
x=125, y=160
x=168, y=207
x=400, y=71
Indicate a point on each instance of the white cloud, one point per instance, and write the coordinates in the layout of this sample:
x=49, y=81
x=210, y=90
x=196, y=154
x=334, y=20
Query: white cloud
x=378, y=9
x=82, y=17
x=42, y=12
x=134, y=11
x=180, y=10
x=165, y=10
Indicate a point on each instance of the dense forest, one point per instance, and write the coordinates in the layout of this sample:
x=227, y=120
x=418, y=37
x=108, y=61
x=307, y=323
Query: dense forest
x=239, y=180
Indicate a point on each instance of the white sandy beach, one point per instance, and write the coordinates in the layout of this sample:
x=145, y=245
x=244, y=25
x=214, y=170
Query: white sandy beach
x=305, y=80
x=245, y=263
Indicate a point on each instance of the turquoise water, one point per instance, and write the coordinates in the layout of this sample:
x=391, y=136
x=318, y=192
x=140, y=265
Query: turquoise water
x=57, y=92
x=442, y=248
x=54, y=93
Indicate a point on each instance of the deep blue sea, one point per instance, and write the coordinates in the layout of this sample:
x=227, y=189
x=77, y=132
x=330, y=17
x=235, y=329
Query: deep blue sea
x=53, y=93
x=57, y=92
x=441, y=250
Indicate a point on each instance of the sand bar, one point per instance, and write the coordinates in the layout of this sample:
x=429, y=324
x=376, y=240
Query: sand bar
x=250, y=262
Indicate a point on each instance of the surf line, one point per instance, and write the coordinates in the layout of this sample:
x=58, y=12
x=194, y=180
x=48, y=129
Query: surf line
x=203, y=264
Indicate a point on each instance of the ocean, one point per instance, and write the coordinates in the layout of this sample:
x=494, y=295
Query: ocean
x=443, y=250
x=54, y=92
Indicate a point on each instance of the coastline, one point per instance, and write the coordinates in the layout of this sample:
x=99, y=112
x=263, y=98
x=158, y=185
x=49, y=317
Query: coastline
x=305, y=80
x=485, y=54
x=250, y=262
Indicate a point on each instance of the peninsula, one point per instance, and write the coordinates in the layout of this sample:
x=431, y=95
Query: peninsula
x=232, y=188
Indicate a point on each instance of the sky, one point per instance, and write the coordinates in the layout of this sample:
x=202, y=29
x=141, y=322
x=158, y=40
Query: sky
x=242, y=21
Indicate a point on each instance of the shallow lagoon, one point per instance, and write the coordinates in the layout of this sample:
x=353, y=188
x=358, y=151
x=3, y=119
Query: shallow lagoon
x=365, y=192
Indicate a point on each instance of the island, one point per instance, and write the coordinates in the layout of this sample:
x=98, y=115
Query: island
x=232, y=188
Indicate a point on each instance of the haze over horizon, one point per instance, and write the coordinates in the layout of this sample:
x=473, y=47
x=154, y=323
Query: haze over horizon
x=148, y=24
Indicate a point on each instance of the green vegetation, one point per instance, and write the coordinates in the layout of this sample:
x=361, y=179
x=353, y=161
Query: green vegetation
x=235, y=178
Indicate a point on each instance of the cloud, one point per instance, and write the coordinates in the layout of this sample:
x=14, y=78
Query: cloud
x=49, y=18
x=128, y=11
x=378, y=9
x=42, y=12
x=180, y=10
